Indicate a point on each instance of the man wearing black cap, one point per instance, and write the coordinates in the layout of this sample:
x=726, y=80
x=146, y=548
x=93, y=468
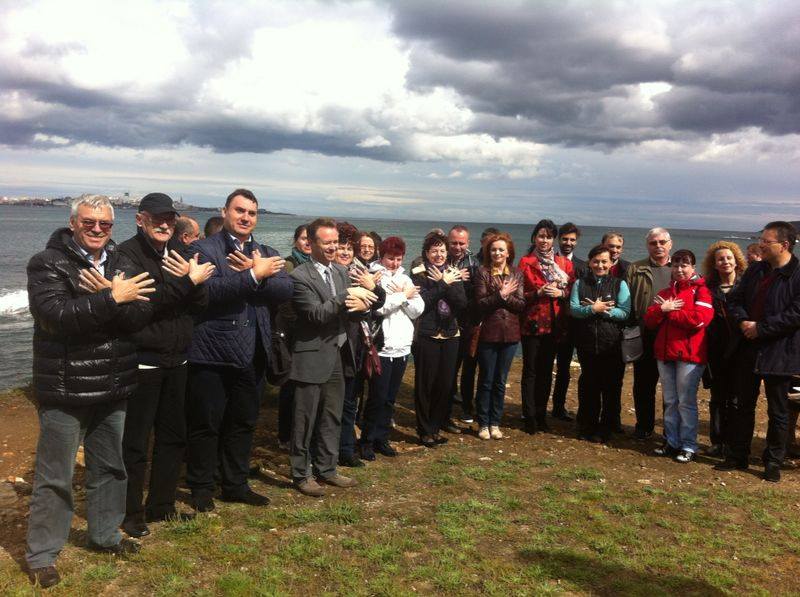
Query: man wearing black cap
x=162, y=353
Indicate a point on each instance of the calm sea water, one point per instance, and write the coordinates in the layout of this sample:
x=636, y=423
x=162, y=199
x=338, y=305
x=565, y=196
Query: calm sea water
x=25, y=231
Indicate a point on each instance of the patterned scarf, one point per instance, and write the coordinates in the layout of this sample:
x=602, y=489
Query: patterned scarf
x=550, y=270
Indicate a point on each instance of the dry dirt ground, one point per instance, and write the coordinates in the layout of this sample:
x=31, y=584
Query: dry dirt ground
x=524, y=515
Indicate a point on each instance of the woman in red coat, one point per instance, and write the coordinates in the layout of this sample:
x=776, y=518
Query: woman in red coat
x=548, y=278
x=681, y=313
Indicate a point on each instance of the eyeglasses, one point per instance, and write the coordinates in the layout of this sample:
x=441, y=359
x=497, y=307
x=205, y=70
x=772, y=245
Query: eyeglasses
x=105, y=225
x=660, y=243
x=764, y=241
x=158, y=219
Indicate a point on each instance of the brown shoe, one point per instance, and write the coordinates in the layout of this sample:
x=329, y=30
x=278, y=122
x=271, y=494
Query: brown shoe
x=338, y=480
x=44, y=577
x=310, y=487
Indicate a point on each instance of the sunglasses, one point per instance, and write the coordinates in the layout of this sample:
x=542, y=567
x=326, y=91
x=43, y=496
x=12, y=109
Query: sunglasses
x=105, y=225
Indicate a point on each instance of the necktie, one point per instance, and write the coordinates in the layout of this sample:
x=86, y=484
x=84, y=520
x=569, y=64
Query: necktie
x=340, y=340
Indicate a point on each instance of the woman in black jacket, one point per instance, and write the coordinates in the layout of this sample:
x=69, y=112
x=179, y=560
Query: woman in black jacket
x=599, y=305
x=437, y=343
x=723, y=267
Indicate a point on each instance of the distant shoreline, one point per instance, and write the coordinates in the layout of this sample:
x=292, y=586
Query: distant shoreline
x=181, y=207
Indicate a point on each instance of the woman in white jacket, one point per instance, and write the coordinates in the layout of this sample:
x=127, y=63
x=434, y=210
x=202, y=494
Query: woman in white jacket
x=403, y=305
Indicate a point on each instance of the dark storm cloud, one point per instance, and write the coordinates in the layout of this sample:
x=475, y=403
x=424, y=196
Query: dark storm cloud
x=556, y=64
x=558, y=73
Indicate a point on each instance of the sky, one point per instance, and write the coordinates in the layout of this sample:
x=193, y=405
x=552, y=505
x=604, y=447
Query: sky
x=620, y=113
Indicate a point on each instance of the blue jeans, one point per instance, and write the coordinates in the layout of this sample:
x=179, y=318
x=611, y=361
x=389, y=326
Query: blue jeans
x=347, y=434
x=494, y=360
x=60, y=432
x=679, y=383
x=379, y=408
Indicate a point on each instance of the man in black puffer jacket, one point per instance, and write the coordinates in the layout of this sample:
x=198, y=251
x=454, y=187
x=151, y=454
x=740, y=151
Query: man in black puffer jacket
x=84, y=370
x=162, y=348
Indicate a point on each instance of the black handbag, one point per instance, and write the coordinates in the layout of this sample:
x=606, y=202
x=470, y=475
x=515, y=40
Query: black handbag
x=280, y=359
x=632, y=345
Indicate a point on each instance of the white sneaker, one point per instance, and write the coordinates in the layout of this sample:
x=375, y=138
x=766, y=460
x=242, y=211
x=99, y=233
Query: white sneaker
x=495, y=432
x=484, y=433
x=467, y=419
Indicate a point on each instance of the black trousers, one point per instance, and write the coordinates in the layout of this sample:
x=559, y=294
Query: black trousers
x=222, y=413
x=434, y=363
x=598, y=392
x=538, y=354
x=158, y=407
x=645, y=380
x=723, y=401
x=563, y=361
x=467, y=365
x=776, y=388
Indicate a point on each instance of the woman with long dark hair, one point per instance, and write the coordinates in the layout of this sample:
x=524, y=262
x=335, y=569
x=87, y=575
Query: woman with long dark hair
x=723, y=265
x=436, y=349
x=499, y=298
x=548, y=278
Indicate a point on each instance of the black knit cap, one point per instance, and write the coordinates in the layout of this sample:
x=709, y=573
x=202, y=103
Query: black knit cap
x=157, y=203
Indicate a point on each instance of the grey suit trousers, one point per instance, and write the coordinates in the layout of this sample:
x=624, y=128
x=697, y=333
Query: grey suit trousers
x=316, y=428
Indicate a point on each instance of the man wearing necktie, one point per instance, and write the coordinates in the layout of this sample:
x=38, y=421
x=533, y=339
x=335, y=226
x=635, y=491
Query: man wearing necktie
x=228, y=355
x=323, y=300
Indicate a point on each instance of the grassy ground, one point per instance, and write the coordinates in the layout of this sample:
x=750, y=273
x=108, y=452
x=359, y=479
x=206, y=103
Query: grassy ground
x=547, y=514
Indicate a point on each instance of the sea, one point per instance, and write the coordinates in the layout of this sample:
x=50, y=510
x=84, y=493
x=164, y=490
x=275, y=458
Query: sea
x=25, y=230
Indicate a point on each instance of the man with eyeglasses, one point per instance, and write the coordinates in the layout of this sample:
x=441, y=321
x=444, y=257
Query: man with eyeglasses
x=766, y=306
x=162, y=347
x=85, y=301
x=646, y=278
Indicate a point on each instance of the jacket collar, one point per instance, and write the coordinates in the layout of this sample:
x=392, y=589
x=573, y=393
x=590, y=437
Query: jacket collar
x=787, y=270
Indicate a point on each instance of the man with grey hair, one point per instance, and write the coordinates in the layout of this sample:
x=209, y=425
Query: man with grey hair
x=85, y=301
x=645, y=279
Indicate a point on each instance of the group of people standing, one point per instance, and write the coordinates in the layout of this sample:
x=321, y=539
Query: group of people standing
x=173, y=335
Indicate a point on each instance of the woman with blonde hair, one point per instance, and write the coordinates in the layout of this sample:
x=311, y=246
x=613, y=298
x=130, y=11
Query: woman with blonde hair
x=723, y=265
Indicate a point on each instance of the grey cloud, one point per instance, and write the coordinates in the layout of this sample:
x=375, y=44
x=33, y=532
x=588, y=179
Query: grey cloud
x=555, y=64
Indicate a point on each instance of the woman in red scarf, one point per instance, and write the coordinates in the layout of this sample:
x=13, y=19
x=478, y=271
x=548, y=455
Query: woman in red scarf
x=548, y=278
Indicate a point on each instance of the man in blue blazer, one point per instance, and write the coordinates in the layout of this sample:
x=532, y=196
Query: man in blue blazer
x=229, y=352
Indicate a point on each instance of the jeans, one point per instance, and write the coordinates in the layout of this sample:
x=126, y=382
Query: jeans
x=679, y=383
x=494, y=360
x=383, y=390
x=158, y=407
x=60, y=432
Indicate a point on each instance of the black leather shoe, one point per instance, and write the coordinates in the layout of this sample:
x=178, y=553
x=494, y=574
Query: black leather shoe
x=350, y=460
x=45, y=577
x=367, y=453
x=440, y=439
x=666, y=450
x=135, y=528
x=427, y=441
x=772, y=472
x=386, y=449
x=731, y=464
x=250, y=497
x=541, y=425
x=124, y=548
x=171, y=516
x=642, y=435
x=451, y=427
x=530, y=427
x=203, y=502
x=562, y=415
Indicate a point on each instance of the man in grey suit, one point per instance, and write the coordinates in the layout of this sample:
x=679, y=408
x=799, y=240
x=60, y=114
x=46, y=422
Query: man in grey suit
x=323, y=300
